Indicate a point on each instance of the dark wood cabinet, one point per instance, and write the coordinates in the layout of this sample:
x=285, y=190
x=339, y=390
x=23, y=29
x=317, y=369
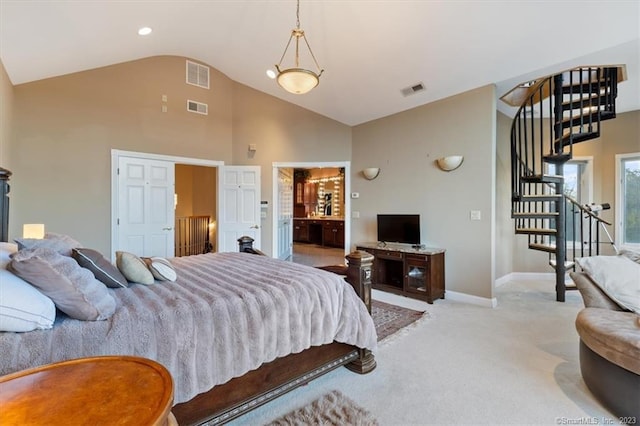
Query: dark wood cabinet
x=300, y=231
x=401, y=269
x=324, y=232
x=333, y=233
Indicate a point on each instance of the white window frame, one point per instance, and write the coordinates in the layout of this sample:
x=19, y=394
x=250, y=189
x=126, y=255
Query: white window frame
x=619, y=226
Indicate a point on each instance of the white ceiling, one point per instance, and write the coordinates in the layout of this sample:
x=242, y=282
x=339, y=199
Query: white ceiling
x=370, y=49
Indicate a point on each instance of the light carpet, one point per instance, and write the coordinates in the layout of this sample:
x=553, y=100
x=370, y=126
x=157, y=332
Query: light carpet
x=331, y=409
x=516, y=364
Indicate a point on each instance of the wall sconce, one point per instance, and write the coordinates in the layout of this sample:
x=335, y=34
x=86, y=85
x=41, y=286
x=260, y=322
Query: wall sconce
x=450, y=163
x=33, y=230
x=370, y=173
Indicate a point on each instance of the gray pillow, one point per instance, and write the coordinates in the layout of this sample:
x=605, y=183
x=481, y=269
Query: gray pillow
x=60, y=243
x=73, y=289
x=102, y=269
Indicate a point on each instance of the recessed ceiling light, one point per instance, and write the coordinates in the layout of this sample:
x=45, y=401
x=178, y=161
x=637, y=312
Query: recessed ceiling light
x=271, y=74
x=144, y=31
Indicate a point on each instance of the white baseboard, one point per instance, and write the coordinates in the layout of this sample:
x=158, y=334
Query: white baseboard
x=470, y=299
x=526, y=276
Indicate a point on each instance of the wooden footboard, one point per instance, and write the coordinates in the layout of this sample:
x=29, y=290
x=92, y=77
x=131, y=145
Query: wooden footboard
x=242, y=394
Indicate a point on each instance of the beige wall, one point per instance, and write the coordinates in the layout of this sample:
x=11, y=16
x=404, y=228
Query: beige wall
x=504, y=224
x=66, y=127
x=405, y=146
x=6, y=117
x=618, y=136
x=282, y=132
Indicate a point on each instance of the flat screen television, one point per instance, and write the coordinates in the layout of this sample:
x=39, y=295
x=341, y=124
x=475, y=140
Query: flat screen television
x=399, y=228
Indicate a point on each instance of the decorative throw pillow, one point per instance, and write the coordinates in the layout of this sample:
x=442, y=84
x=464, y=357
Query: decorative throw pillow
x=631, y=254
x=133, y=268
x=617, y=277
x=161, y=268
x=63, y=244
x=73, y=289
x=22, y=306
x=6, y=250
x=102, y=269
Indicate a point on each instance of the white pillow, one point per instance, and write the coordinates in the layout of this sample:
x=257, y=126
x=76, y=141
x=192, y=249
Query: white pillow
x=617, y=276
x=23, y=307
x=6, y=250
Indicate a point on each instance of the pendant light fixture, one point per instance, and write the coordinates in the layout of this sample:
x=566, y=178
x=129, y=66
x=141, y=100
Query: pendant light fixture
x=298, y=80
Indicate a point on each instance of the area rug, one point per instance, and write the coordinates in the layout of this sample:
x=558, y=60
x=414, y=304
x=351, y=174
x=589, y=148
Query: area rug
x=390, y=319
x=331, y=409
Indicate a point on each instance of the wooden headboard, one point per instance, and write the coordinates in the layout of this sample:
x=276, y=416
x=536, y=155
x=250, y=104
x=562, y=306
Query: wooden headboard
x=4, y=204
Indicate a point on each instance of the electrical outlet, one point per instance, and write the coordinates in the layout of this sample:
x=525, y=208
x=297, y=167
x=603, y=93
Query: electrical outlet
x=355, y=195
x=475, y=215
x=355, y=215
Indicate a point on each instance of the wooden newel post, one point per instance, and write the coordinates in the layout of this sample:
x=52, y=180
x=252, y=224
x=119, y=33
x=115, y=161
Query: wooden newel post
x=245, y=244
x=359, y=276
x=359, y=264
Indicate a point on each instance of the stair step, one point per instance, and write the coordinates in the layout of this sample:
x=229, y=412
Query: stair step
x=535, y=198
x=557, y=158
x=542, y=178
x=534, y=215
x=536, y=231
x=588, y=101
x=577, y=137
x=581, y=120
x=584, y=88
x=568, y=264
x=549, y=248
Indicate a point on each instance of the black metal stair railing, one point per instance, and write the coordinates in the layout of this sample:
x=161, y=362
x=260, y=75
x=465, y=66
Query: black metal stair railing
x=557, y=112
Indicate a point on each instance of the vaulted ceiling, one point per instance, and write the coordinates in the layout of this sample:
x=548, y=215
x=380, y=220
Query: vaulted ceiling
x=370, y=49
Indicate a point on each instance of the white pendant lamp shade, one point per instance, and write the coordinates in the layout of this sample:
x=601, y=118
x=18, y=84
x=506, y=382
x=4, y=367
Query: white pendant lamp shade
x=297, y=80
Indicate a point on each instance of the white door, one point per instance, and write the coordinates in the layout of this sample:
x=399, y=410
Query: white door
x=239, y=206
x=146, y=213
x=285, y=213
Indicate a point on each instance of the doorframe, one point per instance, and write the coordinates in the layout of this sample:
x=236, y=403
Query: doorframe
x=115, y=161
x=312, y=165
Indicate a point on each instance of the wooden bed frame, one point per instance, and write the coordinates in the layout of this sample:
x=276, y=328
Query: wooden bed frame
x=238, y=396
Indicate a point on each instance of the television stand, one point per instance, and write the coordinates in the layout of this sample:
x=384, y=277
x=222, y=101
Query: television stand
x=409, y=270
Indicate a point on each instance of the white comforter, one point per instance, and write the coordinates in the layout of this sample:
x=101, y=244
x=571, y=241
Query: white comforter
x=227, y=314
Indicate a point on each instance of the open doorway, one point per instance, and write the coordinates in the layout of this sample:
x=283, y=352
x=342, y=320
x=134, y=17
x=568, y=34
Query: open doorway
x=195, y=209
x=311, y=212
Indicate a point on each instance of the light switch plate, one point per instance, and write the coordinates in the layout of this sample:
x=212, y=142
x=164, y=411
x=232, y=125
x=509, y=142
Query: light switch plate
x=475, y=215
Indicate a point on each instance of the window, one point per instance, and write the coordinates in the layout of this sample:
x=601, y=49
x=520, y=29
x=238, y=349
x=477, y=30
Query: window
x=577, y=185
x=628, y=200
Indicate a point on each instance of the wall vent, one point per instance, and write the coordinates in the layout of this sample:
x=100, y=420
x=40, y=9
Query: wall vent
x=413, y=89
x=197, y=107
x=198, y=74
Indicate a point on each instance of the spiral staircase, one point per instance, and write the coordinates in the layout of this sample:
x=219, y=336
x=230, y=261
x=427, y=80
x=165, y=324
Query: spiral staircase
x=556, y=112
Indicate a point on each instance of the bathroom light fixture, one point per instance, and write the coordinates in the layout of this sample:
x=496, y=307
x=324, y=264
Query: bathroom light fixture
x=298, y=80
x=450, y=163
x=33, y=230
x=371, y=172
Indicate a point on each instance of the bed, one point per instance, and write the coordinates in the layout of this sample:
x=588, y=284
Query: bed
x=235, y=330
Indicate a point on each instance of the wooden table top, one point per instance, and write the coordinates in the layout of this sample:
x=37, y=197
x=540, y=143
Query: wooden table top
x=122, y=390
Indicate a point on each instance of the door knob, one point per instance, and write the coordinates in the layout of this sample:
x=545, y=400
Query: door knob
x=167, y=229
x=255, y=227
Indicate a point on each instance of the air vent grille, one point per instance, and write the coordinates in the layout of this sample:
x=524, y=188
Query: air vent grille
x=198, y=74
x=197, y=107
x=413, y=89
